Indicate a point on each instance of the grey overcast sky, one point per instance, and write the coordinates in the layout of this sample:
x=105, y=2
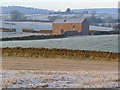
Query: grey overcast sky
x=61, y=4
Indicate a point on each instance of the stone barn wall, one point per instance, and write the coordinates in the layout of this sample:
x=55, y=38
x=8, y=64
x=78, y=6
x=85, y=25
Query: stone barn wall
x=57, y=28
x=85, y=27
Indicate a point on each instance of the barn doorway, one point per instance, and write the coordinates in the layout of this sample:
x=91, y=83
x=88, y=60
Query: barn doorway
x=62, y=31
x=74, y=28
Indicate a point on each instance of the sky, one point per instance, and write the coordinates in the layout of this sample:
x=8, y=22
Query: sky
x=61, y=4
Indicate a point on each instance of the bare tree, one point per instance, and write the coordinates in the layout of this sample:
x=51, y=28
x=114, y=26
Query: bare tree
x=16, y=16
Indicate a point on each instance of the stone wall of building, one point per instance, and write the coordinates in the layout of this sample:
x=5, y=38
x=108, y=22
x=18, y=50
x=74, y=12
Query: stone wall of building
x=61, y=28
x=85, y=27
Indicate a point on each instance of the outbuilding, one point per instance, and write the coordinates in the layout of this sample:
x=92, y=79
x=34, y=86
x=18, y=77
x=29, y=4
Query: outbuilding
x=62, y=25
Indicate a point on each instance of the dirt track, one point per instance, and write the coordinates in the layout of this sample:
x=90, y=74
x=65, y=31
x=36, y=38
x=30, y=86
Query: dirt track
x=56, y=64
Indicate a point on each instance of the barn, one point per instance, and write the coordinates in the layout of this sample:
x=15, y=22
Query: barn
x=70, y=25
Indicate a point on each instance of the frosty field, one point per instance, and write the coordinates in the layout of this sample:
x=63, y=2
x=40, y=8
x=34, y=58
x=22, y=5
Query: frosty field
x=56, y=79
x=107, y=43
x=21, y=72
x=26, y=25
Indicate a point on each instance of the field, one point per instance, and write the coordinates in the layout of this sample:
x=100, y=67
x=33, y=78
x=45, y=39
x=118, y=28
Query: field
x=26, y=25
x=57, y=64
x=19, y=26
x=33, y=66
x=107, y=43
x=58, y=73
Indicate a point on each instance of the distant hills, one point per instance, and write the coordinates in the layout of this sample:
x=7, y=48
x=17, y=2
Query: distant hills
x=28, y=10
x=24, y=10
x=99, y=10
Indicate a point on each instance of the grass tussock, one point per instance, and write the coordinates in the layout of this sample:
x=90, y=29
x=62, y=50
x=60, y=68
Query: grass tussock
x=61, y=53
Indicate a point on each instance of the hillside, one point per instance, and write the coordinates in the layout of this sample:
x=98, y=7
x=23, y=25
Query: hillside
x=99, y=10
x=25, y=10
x=28, y=10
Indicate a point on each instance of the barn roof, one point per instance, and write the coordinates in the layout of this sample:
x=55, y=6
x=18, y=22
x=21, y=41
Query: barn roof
x=69, y=20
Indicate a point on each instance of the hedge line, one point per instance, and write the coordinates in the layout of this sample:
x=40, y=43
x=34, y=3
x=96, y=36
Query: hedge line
x=32, y=37
x=59, y=53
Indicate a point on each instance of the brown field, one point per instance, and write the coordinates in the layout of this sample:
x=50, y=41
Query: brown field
x=57, y=72
x=57, y=64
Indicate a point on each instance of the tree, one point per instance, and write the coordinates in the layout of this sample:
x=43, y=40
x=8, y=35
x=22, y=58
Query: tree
x=116, y=27
x=68, y=11
x=99, y=20
x=16, y=16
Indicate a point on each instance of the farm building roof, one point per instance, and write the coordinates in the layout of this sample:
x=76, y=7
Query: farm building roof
x=69, y=20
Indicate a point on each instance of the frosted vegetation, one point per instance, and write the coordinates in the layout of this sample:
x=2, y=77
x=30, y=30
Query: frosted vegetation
x=42, y=79
x=107, y=43
x=26, y=25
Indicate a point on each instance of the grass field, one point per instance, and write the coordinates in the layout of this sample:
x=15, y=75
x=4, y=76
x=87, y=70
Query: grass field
x=105, y=43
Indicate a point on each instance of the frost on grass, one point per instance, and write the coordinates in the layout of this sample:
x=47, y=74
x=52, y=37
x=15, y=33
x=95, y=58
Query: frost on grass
x=107, y=43
x=59, y=79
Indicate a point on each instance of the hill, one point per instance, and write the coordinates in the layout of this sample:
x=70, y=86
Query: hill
x=99, y=10
x=29, y=10
x=25, y=10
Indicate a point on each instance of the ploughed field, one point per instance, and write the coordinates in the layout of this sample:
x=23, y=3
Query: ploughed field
x=57, y=64
x=106, y=43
